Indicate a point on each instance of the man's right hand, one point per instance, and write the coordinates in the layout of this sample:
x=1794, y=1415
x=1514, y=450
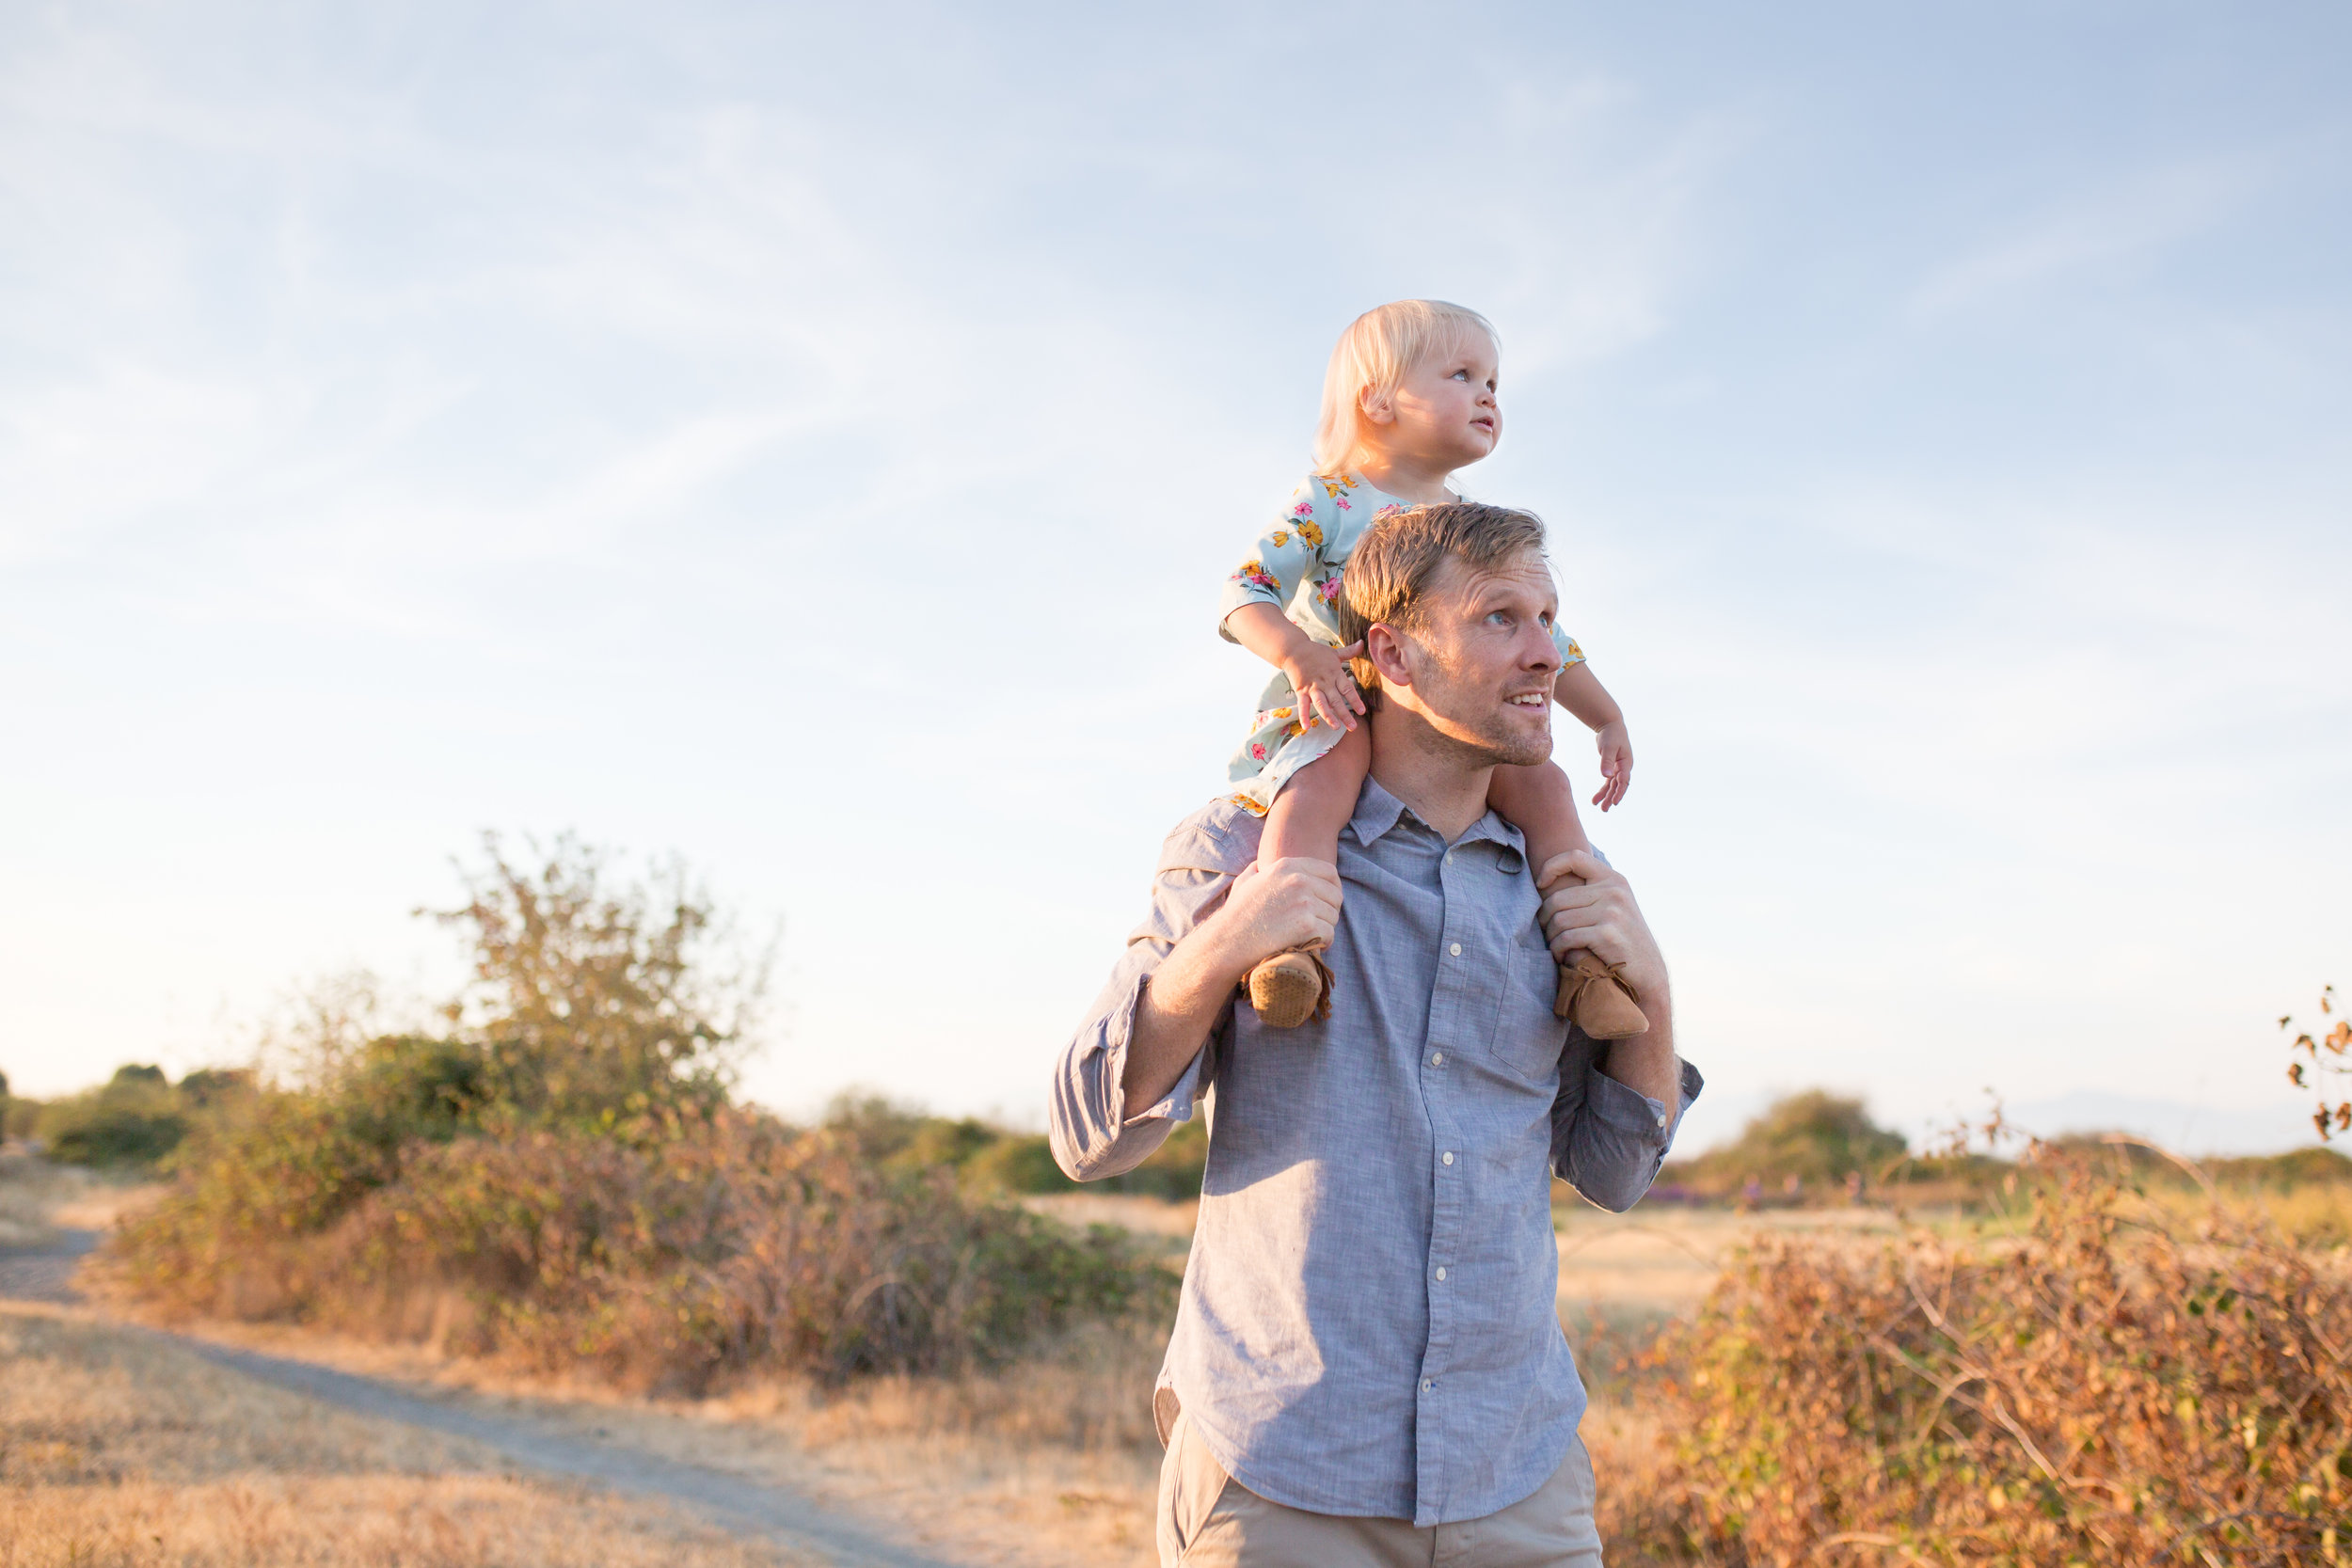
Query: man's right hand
x=1269, y=909
x=1292, y=903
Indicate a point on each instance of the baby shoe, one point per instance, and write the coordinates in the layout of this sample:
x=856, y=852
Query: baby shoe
x=1291, y=987
x=1595, y=997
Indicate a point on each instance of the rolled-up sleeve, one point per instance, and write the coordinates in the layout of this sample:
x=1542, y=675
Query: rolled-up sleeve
x=1091, y=1135
x=1608, y=1140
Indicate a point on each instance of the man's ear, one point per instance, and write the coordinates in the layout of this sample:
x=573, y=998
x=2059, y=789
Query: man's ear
x=1386, y=650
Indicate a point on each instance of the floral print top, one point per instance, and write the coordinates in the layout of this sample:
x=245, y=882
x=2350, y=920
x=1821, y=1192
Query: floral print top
x=1297, y=562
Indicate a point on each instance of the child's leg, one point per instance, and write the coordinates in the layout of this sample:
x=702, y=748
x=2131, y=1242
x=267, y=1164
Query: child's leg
x=1541, y=803
x=1319, y=798
x=1290, y=987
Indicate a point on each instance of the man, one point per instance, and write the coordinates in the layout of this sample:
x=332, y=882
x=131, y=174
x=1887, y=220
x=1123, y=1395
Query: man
x=1367, y=1365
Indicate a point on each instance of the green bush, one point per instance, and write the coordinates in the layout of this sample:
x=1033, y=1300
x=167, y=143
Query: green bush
x=987, y=1159
x=134, y=1121
x=740, y=1244
x=20, y=1117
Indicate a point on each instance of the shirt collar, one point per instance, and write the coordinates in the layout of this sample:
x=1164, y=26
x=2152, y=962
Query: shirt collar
x=1378, y=812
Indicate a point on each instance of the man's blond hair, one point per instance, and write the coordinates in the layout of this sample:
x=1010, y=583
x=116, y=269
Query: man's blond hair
x=1394, y=564
x=1375, y=354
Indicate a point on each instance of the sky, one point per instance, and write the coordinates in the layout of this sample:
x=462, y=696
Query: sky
x=808, y=441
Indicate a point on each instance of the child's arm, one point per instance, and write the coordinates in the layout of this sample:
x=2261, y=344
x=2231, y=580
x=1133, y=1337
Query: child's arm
x=1580, y=692
x=1319, y=675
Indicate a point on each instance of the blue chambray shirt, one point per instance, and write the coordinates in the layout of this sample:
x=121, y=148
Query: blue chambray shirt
x=1368, y=1324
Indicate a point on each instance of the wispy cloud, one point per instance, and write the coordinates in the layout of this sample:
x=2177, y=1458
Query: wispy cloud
x=2098, y=231
x=876, y=397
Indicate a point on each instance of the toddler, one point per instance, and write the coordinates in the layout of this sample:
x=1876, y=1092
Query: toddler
x=1408, y=399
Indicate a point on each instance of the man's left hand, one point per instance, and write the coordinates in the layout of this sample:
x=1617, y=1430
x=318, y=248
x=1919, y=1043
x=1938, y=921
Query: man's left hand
x=1601, y=916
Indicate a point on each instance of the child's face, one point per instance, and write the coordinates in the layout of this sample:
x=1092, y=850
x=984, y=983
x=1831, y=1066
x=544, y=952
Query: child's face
x=1444, y=414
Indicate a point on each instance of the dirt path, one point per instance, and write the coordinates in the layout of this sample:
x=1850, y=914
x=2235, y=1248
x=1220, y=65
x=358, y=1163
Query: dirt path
x=543, y=1445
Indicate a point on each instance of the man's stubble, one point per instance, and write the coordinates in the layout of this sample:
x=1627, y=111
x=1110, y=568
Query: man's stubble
x=1488, y=739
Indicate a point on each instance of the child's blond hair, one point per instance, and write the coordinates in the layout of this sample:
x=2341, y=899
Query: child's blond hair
x=1374, y=353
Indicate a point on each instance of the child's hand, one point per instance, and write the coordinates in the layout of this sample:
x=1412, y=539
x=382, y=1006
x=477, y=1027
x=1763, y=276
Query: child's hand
x=1325, y=686
x=1616, y=763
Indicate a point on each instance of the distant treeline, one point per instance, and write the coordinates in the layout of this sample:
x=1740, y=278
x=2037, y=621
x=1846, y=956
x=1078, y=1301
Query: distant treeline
x=132, y=1121
x=136, y=1122
x=1817, y=1149
x=1811, y=1148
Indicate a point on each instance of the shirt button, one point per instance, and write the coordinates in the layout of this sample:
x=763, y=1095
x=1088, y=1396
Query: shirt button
x=1662, y=1120
x=1447, y=1156
x=1440, y=1273
x=1426, y=1385
x=1455, y=949
x=1437, y=1058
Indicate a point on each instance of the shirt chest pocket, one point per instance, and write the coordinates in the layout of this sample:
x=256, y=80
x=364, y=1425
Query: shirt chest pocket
x=1528, y=1038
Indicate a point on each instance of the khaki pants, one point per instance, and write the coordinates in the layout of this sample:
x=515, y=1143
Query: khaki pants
x=1209, y=1520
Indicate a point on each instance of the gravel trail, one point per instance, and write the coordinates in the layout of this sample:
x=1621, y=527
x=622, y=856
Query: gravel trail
x=542, y=1445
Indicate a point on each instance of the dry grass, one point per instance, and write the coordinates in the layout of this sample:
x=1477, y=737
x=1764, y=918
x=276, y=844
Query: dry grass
x=344, y=1521
x=1052, y=1462
x=37, y=1198
x=1048, y=1462
x=118, y=1448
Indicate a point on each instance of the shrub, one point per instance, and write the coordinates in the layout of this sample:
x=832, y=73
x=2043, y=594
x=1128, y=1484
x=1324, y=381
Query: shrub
x=132, y=1121
x=990, y=1161
x=741, y=1245
x=20, y=1117
x=2098, y=1390
x=1809, y=1142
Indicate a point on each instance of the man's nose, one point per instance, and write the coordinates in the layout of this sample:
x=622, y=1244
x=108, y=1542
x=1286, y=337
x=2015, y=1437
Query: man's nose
x=1540, y=652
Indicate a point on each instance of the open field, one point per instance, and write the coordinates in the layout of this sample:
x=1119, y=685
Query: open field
x=120, y=1445
x=968, y=1470
x=118, y=1448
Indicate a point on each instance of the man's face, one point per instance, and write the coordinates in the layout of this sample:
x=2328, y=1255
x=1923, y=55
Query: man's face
x=1482, y=662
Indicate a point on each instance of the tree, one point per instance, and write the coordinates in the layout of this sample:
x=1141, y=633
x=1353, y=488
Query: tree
x=596, y=998
x=1815, y=1136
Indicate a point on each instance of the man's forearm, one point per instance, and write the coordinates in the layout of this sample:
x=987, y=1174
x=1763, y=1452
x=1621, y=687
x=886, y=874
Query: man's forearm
x=1180, y=1005
x=1646, y=1063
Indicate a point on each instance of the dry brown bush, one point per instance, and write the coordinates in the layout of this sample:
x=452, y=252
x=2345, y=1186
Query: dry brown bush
x=747, y=1247
x=2106, y=1386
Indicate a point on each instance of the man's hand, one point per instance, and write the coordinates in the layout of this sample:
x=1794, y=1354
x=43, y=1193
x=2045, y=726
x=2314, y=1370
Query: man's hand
x=1592, y=907
x=1616, y=763
x=1272, y=909
x=1269, y=909
x=1325, y=686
